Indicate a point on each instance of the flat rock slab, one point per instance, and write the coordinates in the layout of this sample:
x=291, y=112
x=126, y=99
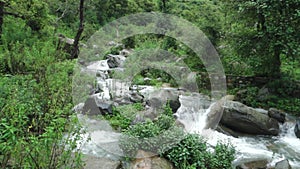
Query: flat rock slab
x=92, y=162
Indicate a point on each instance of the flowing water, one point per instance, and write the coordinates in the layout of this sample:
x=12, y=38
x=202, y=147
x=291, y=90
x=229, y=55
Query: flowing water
x=270, y=148
x=193, y=114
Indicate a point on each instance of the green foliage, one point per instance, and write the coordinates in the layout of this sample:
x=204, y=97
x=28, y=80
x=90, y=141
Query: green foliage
x=192, y=152
x=206, y=14
x=35, y=13
x=123, y=116
x=264, y=30
x=281, y=96
x=34, y=122
x=156, y=136
x=223, y=156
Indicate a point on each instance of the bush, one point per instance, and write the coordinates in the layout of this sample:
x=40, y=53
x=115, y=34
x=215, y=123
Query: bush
x=280, y=96
x=154, y=136
x=33, y=123
x=192, y=152
x=149, y=137
x=123, y=116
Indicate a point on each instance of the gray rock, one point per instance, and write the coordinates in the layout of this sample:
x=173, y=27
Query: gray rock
x=240, y=95
x=125, y=52
x=146, y=114
x=65, y=43
x=92, y=162
x=215, y=114
x=284, y=164
x=136, y=97
x=160, y=98
x=102, y=74
x=147, y=160
x=105, y=108
x=244, y=119
x=93, y=107
x=222, y=129
x=259, y=164
x=90, y=107
x=263, y=93
x=114, y=61
x=115, y=44
x=297, y=128
x=277, y=115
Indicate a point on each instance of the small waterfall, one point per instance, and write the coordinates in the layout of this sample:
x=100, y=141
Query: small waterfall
x=194, y=114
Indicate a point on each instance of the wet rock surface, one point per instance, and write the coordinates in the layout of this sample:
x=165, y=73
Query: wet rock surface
x=284, y=164
x=277, y=115
x=260, y=164
x=297, y=128
x=244, y=119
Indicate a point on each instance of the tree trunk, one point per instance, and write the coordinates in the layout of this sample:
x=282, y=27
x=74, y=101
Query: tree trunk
x=75, y=50
x=276, y=62
x=1, y=18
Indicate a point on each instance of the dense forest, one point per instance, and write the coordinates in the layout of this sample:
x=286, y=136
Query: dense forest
x=41, y=42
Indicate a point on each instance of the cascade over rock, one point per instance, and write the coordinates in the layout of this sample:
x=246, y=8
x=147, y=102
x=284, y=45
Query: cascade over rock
x=215, y=114
x=244, y=119
x=284, y=164
x=297, y=128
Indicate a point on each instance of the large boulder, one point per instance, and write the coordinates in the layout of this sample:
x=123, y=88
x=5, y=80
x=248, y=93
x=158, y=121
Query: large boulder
x=284, y=164
x=147, y=160
x=297, y=128
x=90, y=107
x=92, y=162
x=94, y=107
x=216, y=112
x=277, y=115
x=244, y=119
x=136, y=97
x=225, y=130
x=158, y=99
x=114, y=61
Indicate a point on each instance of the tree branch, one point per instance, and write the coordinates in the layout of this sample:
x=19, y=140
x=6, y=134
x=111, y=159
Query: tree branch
x=14, y=15
x=75, y=50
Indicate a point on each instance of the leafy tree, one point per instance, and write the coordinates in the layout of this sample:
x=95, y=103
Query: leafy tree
x=265, y=30
x=34, y=12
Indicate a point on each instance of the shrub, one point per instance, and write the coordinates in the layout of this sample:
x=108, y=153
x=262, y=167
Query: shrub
x=33, y=123
x=123, y=116
x=154, y=136
x=192, y=152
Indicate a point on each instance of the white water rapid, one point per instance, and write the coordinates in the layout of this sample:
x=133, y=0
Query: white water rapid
x=193, y=114
x=256, y=148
